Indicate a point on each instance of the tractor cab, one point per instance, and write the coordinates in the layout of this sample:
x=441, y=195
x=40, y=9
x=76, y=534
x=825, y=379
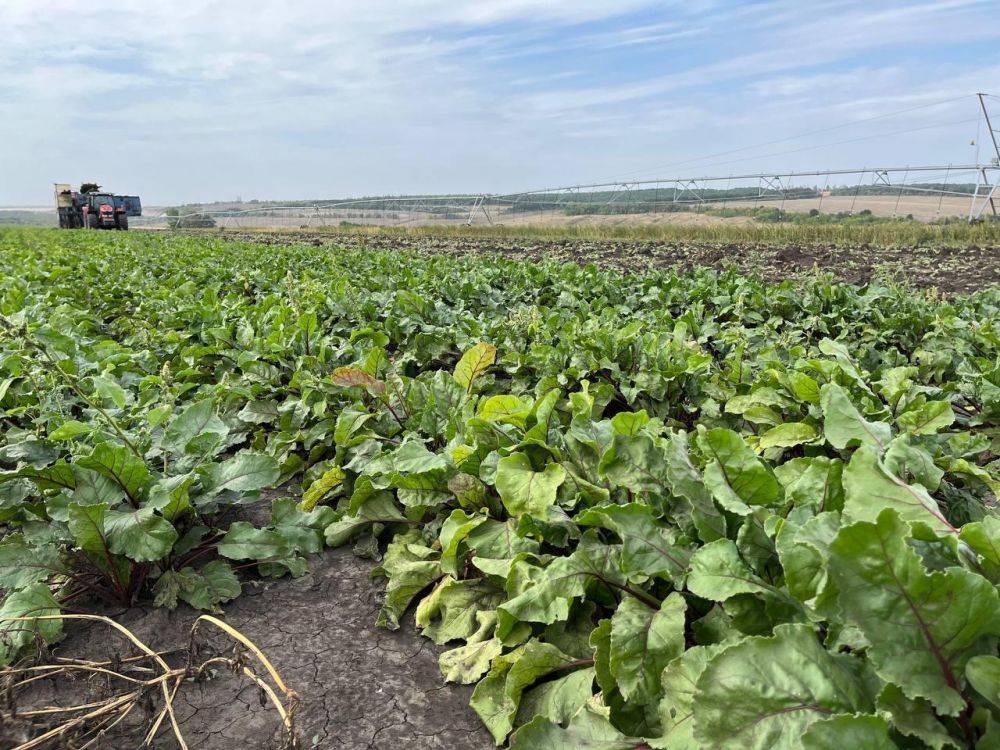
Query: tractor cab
x=101, y=213
x=92, y=208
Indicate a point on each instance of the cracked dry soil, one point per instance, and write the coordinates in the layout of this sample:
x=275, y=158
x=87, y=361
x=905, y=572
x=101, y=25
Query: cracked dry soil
x=360, y=686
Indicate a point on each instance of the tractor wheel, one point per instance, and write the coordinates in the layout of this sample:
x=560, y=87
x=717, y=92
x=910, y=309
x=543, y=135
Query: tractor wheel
x=94, y=221
x=123, y=223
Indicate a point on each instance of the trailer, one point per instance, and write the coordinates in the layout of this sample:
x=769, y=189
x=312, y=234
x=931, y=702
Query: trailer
x=91, y=208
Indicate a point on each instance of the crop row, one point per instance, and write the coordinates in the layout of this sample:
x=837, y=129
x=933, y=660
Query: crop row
x=641, y=511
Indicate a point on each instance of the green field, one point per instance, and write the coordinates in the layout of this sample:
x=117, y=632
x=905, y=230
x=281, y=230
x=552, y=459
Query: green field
x=663, y=509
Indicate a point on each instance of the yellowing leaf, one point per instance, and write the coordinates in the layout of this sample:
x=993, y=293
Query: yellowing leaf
x=474, y=363
x=319, y=489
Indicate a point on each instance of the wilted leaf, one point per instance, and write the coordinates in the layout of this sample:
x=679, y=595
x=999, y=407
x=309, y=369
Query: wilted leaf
x=354, y=377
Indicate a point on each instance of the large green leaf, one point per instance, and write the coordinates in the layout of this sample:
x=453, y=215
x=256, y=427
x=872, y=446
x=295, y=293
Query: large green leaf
x=787, y=435
x=450, y=612
x=244, y=472
x=922, y=626
x=139, y=535
x=205, y=589
x=734, y=474
x=196, y=421
x=412, y=457
x=524, y=490
x=454, y=531
x=983, y=673
x=869, y=489
x=983, y=537
x=914, y=718
x=120, y=465
x=686, y=482
x=566, y=578
x=474, y=363
x=912, y=463
x=70, y=429
x=763, y=693
x=804, y=551
x=505, y=408
x=558, y=699
x=86, y=524
x=496, y=540
x=30, y=602
x=378, y=508
x=171, y=496
x=814, y=482
x=676, y=707
x=928, y=418
x=589, y=729
x=497, y=697
x=718, y=573
x=838, y=732
x=643, y=642
x=244, y=541
x=649, y=548
x=410, y=567
x=92, y=487
x=259, y=412
x=636, y=462
x=22, y=564
x=302, y=530
x=843, y=423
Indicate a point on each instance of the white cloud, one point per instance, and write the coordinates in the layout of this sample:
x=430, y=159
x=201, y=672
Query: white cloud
x=207, y=98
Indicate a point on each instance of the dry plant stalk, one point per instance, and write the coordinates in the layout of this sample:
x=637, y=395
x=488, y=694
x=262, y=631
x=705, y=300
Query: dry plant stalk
x=143, y=675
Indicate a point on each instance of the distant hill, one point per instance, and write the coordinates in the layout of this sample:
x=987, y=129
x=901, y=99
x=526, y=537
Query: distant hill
x=28, y=217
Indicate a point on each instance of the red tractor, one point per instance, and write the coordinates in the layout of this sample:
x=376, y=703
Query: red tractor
x=90, y=208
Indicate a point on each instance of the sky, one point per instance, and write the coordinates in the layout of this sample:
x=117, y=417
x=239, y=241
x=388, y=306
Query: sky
x=200, y=100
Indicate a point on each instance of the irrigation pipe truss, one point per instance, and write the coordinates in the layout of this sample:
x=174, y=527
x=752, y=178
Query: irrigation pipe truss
x=758, y=186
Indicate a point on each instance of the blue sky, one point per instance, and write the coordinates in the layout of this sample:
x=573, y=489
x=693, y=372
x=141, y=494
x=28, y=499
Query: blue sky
x=209, y=99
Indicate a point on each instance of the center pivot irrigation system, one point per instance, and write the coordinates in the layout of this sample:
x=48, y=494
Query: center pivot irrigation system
x=970, y=191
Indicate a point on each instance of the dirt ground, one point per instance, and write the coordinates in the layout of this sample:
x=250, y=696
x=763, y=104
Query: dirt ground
x=920, y=207
x=361, y=687
x=681, y=218
x=952, y=270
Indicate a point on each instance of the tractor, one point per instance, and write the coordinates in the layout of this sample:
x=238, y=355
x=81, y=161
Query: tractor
x=91, y=208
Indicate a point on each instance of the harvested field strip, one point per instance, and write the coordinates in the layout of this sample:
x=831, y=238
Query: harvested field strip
x=951, y=268
x=691, y=228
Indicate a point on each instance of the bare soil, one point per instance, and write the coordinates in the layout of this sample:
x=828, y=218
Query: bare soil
x=950, y=269
x=361, y=687
x=681, y=218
